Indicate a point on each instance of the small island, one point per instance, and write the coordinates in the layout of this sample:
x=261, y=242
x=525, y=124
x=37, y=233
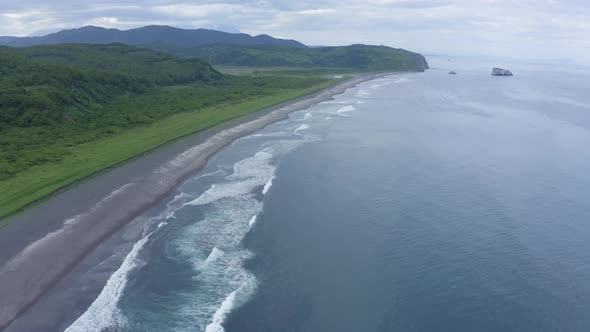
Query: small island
x=452, y=73
x=501, y=72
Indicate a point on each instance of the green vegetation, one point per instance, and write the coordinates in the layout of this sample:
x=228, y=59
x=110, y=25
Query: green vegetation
x=288, y=71
x=357, y=57
x=142, y=64
x=69, y=111
x=74, y=82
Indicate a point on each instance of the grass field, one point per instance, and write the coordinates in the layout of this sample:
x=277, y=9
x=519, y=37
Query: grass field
x=289, y=71
x=84, y=160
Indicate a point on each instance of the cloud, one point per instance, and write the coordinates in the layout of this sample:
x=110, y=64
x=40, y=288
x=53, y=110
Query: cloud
x=526, y=28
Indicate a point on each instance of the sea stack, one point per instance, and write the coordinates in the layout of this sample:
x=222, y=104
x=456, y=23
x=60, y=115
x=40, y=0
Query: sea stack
x=501, y=72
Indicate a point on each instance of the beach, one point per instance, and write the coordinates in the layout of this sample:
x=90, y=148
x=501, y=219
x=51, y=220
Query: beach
x=44, y=243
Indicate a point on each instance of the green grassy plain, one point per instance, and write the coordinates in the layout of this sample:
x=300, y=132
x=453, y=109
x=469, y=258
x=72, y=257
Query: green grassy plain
x=80, y=160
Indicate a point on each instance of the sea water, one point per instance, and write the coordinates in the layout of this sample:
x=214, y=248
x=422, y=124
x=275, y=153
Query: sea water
x=415, y=202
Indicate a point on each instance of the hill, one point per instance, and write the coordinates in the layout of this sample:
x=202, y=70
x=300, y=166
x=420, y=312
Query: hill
x=152, y=66
x=146, y=36
x=46, y=84
x=69, y=111
x=357, y=57
x=232, y=49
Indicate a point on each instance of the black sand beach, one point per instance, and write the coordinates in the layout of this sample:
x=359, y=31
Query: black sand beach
x=41, y=245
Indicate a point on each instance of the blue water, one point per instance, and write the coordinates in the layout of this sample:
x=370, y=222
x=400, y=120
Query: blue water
x=416, y=202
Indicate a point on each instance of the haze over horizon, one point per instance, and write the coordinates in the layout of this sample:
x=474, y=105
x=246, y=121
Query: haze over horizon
x=519, y=29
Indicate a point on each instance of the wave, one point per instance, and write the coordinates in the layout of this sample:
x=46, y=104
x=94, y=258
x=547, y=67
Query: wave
x=227, y=306
x=229, y=210
x=345, y=109
x=268, y=185
x=253, y=220
x=362, y=93
x=202, y=176
x=401, y=79
x=278, y=134
x=177, y=203
x=248, y=174
x=334, y=102
x=214, y=255
x=104, y=313
x=300, y=128
x=212, y=245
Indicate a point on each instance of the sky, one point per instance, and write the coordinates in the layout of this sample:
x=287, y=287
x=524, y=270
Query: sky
x=529, y=29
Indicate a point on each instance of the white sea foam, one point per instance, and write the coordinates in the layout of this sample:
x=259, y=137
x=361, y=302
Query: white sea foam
x=214, y=255
x=362, y=93
x=400, y=79
x=221, y=313
x=334, y=102
x=218, y=172
x=219, y=272
x=253, y=220
x=229, y=209
x=345, y=109
x=300, y=128
x=278, y=134
x=265, y=135
x=248, y=174
x=104, y=313
x=174, y=205
x=226, y=307
x=268, y=185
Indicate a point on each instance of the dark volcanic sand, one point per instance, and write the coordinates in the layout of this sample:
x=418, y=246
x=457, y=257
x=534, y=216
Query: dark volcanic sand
x=43, y=244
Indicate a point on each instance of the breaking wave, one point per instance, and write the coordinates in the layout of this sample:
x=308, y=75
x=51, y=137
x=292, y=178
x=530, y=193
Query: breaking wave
x=104, y=313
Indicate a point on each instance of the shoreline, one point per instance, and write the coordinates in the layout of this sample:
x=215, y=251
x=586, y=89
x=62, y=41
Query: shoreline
x=46, y=242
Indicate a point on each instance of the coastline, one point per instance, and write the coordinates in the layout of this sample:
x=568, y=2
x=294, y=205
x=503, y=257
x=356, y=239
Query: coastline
x=44, y=243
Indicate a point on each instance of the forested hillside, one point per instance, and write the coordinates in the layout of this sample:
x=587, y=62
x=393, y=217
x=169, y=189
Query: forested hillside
x=359, y=57
x=48, y=85
x=58, y=96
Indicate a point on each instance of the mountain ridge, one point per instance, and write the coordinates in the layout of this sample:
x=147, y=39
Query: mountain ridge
x=356, y=56
x=147, y=35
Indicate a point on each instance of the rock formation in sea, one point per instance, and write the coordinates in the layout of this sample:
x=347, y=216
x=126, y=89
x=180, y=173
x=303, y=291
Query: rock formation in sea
x=501, y=72
x=452, y=73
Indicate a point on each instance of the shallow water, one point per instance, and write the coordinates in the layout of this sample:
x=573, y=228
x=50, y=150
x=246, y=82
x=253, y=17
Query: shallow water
x=416, y=202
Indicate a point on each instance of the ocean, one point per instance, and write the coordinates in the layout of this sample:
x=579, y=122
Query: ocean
x=414, y=202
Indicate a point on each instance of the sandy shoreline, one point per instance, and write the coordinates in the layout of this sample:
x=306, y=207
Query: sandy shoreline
x=41, y=245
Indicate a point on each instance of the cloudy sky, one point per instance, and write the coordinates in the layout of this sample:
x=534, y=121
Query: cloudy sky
x=514, y=28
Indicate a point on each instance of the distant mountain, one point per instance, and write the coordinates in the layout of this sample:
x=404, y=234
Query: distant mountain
x=153, y=34
x=236, y=49
x=356, y=57
x=6, y=40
